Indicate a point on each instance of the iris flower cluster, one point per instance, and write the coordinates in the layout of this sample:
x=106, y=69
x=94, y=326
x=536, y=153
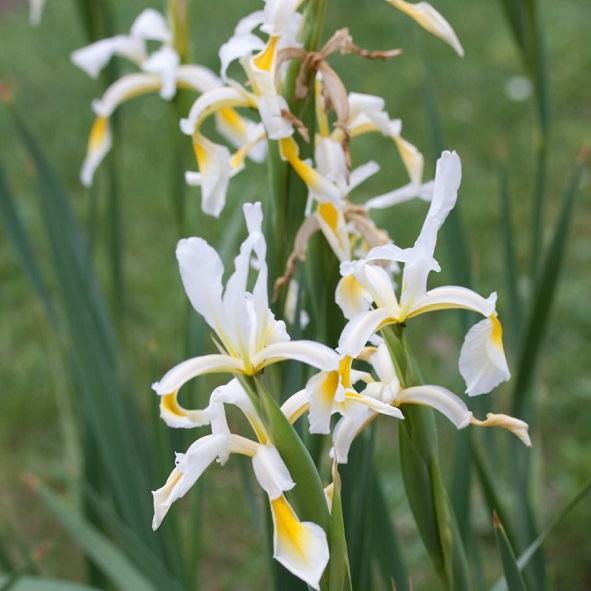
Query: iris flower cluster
x=382, y=285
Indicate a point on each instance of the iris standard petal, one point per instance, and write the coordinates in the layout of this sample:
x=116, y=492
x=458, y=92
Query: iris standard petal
x=359, y=330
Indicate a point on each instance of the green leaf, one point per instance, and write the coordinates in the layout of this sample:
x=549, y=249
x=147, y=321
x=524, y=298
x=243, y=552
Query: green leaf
x=543, y=299
x=18, y=236
x=339, y=575
x=28, y=583
x=513, y=576
x=101, y=551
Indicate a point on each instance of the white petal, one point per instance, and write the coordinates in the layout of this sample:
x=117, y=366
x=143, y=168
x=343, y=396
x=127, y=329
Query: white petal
x=197, y=366
x=201, y=272
x=197, y=77
x=277, y=14
x=345, y=432
x=359, y=330
x=238, y=47
x=449, y=297
x=482, y=358
x=125, y=88
x=322, y=390
x=440, y=399
x=94, y=57
x=164, y=63
x=431, y=20
x=271, y=472
x=516, y=426
x=150, y=24
x=406, y=193
x=309, y=352
x=189, y=468
x=99, y=144
x=301, y=547
x=351, y=297
x=174, y=415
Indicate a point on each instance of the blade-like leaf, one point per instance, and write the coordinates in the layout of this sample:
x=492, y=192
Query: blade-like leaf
x=339, y=576
x=29, y=583
x=101, y=551
x=513, y=576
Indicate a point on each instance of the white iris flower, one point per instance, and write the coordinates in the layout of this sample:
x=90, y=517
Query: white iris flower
x=365, y=284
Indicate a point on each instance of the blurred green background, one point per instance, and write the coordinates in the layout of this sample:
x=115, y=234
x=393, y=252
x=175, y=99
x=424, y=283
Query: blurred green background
x=487, y=115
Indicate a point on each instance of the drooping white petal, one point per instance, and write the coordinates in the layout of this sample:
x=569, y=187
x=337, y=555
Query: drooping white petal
x=277, y=15
x=151, y=25
x=322, y=389
x=516, y=426
x=197, y=77
x=94, y=57
x=450, y=297
x=99, y=144
x=351, y=297
x=174, y=415
x=310, y=352
x=174, y=379
x=406, y=193
x=295, y=406
x=164, y=63
x=212, y=101
x=125, y=88
x=301, y=547
x=271, y=472
x=215, y=171
x=431, y=20
x=482, y=358
x=439, y=398
x=346, y=430
x=238, y=47
x=359, y=330
x=189, y=468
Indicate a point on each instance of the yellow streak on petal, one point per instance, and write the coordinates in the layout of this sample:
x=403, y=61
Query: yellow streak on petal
x=264, y=59
x=200, y=154
x=258, y=428
x=289, y=151
x=321, y=118
x=329, y=386
x=367, y=127
x=345, y=371
x=100, y=128
x=289, y=530
x=329, y=214
x=170, y=404
x=411, y=157
x=497, y=331
x=233, y=120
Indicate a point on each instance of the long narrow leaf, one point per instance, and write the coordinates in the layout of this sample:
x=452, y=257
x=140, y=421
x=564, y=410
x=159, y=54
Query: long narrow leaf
x=104, y=554
x=513, y=576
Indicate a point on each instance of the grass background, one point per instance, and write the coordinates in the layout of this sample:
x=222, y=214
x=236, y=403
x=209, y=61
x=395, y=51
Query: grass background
x=479, y=121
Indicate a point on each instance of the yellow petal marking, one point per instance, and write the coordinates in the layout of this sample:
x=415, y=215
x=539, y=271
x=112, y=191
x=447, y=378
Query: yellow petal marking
x=200, y=154
x=264, y=60
x=99, y=129
x=345, y=371
x=497, y=331
x=170, y=404
x=289, y=529
x=233, y=120
x=328, y=213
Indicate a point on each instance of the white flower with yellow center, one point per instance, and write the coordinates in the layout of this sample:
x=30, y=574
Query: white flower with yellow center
x=365, y=284
x=161, y=72
x=301, y=547
x=387, y=389
x=247, y=333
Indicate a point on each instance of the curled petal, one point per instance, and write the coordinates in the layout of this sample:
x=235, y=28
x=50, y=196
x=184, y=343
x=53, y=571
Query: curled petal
x=164, y=63
x=309, y=352
x=301, y=547
x=174, y=415
x=99, y=144
x=439, y=398
x=124, y=89
x=451, y=297
x=482, y=358
x=516, y=426
x=359, y=330
x=198, y=366
x=406, y=193
x=431, y=20
x=189, y=468
x=351, y=297
x=151, y=25
x=94, y=57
